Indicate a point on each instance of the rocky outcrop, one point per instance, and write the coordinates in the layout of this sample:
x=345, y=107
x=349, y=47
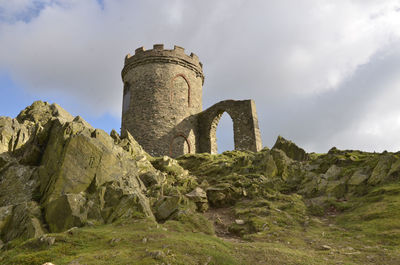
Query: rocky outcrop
x=58, y=172
x=239, y=177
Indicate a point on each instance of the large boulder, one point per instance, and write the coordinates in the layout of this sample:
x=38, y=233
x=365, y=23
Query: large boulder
x=21, y=221
x=359, y=176
x=175, y=178
x=199, y=196
x=223, y=195
x=167, y=206
x=42, y=112
x=66, y=211
x=17, y=183
x=79, y=160
x=291, y=149
x=381, y=169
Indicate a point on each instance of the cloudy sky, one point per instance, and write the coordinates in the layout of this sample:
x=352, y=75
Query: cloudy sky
x=322, y=73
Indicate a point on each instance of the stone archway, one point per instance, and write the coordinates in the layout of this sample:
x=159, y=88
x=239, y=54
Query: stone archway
x=246, y=132
x=179, y=145
x=213, y=131
x=224, y=133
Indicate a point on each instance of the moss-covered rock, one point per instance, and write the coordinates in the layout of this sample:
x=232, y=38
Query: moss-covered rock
x=5, y=215
x=291, y=149
x=199, y=196
x=173, y=207
x=22, y=221
x=223, y=194
x=358, y=177
x=18, y=184
x=65, y=212
x=166, y=206
x=381, y=169
x=42, y=112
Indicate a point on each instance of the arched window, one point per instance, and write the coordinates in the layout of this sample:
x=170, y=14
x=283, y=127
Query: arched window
x=126, y=98
x=180, y=85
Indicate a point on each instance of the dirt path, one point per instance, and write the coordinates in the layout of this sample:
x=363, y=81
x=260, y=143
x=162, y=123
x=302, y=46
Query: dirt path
x=222, y=218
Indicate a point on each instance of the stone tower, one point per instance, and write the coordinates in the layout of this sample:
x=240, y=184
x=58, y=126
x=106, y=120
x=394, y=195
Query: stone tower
x=162, y=106
x=162, y=95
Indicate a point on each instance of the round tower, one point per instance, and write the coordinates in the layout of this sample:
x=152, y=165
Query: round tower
x=162, y=94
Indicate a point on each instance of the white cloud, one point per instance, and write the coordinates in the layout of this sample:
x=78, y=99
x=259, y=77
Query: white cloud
x=361, y=113
x=14, y=10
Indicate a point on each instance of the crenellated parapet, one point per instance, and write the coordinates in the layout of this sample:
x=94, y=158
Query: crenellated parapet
x=160, y=55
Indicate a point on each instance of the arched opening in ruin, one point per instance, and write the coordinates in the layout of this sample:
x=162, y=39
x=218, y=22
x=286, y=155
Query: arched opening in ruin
x=222, y=133
x=180, y=85
x=179, y=145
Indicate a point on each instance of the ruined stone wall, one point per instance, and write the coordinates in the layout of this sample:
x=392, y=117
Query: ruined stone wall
x=162, y=94
x=246, y=132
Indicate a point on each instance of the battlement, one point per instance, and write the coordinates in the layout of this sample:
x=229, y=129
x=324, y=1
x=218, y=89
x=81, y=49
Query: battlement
x=160, y=55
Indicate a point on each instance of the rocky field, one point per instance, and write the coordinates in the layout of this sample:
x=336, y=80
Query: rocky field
x=72, y=194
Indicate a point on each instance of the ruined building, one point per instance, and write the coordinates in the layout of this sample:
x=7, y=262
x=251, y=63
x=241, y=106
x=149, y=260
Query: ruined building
x=162, y=105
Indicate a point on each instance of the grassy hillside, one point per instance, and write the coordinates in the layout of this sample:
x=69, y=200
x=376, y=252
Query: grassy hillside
x=263, y=208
